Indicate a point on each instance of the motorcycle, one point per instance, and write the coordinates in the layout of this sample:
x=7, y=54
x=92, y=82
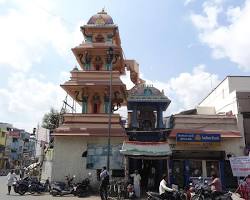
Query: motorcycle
x=61, y=188
x=177, y=195
x=203, y=192
x=38, y=187
x=22, y=186
x=82, y=189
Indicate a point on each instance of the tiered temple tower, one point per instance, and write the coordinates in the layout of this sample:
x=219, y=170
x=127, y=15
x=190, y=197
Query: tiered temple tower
x=81, y=141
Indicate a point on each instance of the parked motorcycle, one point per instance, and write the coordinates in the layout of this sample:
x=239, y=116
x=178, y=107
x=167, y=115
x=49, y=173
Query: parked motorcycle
x=38, y=187
x=82, y=189
x=177, y=195
x=203, y=192
x=22, y=186
x=62, y=188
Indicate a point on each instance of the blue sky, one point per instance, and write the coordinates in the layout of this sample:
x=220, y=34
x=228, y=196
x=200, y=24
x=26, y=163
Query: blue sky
x=184, y=47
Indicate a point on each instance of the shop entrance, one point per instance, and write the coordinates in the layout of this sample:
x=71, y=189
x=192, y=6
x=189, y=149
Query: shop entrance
x=151, y=172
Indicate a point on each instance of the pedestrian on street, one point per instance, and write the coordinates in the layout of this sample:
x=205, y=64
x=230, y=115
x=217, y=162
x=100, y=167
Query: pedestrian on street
x=137, y=183
x=104, y=176
x=11, y=177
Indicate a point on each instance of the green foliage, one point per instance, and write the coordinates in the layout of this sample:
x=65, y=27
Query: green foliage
x=51, y=120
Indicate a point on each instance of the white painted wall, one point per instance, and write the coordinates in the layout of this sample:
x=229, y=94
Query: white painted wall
x=68, y=160
x=223, y=97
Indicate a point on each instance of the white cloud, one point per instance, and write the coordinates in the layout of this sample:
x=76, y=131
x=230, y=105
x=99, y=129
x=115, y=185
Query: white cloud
x=188, y=2
x=26, y=100
x=229, y=40
x=185, y=91
x=28, y=29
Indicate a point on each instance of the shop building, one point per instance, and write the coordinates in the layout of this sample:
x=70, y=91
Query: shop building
x=202, y=144
x=4, y=128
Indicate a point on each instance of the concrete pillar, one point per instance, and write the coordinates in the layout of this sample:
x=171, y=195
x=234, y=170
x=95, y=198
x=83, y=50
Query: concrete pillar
x=134, y=117
x=159, y=118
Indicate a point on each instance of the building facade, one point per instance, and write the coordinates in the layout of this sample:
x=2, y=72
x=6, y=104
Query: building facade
x=202, y=144
x=4, y=128
x=232, y=96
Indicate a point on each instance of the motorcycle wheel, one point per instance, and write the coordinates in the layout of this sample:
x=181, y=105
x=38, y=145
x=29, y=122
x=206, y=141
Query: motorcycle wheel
x=197, y=197
x=22, y=190
x=53, y=193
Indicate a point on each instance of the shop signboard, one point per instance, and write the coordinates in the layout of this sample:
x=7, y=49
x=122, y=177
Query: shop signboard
x=198, y=138
x=240, y=166
x=14, y=134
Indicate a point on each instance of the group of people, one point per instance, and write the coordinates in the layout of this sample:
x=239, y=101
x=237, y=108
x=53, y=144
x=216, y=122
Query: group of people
x=165, y=191
x=104, y=177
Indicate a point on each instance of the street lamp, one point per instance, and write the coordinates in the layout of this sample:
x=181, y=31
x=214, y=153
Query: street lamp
x=110, y=56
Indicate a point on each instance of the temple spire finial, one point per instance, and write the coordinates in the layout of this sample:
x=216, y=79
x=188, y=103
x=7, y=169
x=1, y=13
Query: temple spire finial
x=103, y=11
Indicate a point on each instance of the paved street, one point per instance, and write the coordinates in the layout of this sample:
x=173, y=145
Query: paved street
x=13, y=195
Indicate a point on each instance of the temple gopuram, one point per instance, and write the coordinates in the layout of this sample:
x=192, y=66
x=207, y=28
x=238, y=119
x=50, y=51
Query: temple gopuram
x=81, y=141
x=146, y=148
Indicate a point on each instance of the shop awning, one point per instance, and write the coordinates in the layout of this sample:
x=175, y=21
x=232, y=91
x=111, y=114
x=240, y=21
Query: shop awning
x=147, y=149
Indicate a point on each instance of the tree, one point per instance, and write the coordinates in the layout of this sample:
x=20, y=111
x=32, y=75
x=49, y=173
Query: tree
x=51, y=120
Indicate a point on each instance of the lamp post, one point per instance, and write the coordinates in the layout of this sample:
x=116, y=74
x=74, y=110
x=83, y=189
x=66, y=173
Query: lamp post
x=110, y=56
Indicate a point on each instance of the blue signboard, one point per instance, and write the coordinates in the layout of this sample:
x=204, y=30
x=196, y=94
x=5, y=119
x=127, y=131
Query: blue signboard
x=198, y=137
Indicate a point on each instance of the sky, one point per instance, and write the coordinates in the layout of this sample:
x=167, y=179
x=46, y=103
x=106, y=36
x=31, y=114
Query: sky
x=185, y=47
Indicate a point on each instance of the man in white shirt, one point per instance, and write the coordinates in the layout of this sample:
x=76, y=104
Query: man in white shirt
x=137, y=183
x=165, y=191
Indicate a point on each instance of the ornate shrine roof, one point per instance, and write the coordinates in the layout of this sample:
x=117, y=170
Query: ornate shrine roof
x=147, y=93
x=101, y=18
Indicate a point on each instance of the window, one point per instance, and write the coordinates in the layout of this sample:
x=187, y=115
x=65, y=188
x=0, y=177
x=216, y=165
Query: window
x=212, y=166
x=195, y=168
x=118, y=173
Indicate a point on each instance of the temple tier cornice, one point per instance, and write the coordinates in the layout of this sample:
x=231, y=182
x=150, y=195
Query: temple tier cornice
x=90, y=125
x=96, y=54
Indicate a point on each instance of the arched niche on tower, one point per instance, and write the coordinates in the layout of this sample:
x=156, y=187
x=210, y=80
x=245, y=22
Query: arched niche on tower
x=96, y=103
x=98, y=63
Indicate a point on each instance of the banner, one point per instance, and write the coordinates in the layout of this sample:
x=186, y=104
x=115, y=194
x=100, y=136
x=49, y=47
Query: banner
x=240, y=166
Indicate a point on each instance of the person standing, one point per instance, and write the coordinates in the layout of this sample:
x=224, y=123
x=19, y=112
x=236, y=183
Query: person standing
x=11, y=177
x=104, y=176
x=216, y=186
x=137, y=183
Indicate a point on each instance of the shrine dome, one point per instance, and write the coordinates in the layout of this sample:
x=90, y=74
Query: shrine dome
x=101, y=18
